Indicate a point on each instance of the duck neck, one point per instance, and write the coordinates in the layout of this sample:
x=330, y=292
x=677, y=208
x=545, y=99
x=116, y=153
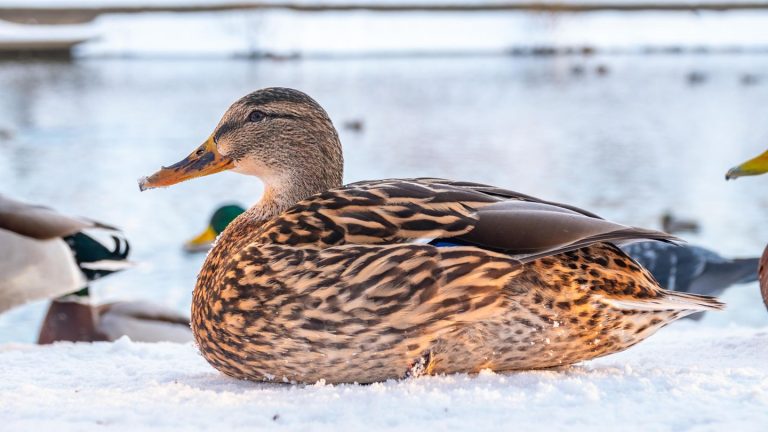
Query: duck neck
x=281, y=195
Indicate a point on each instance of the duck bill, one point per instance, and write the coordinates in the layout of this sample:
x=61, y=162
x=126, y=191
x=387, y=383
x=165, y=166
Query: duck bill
x=205, y=160
x=202, y=241
x=756, y=166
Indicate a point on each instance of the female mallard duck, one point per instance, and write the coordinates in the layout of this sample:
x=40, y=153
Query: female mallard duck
x=755, y=166
x=45, y=254
x=390, y=278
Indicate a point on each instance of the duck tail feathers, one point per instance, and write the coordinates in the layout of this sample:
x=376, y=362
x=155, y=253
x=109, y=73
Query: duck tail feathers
x=671, y=301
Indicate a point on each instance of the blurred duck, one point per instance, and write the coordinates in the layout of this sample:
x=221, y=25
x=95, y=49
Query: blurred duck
x=755, y=166
x=44, y=254
x=674, y=225
x=692, y=269
x=391, y=278
x=216, y=224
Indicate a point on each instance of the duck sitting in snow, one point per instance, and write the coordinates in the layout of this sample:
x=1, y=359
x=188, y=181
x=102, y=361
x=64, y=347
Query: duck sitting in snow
x=755, y=166
x=390, y=278
x=44, y=254
x=683, y=267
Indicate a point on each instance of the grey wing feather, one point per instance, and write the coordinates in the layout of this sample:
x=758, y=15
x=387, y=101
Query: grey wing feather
x=530, y=230
x=40, y=222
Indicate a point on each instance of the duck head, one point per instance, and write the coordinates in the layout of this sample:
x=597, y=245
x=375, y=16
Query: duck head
x=221, y=218
x=754, y=166
x=280, y=135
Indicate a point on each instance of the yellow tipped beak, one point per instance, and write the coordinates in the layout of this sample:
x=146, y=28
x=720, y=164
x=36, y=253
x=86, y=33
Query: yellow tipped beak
x=205, y=160
x=202, y=241
x=756, y=166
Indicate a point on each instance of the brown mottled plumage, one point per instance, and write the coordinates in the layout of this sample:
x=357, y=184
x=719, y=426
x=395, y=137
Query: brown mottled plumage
x=319, y=281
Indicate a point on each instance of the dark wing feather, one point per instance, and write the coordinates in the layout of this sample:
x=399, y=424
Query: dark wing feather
x=397, y=211
x=530, y=230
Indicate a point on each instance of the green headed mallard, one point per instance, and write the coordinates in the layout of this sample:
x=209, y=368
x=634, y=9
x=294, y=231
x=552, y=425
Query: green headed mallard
x=219, y=220
x=47, y=255
x=390, y=278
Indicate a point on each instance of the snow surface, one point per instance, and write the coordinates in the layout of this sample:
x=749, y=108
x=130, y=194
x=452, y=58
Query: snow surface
x=679, y=380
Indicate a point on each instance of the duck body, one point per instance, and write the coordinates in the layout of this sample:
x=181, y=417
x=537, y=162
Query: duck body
x=44, y=254
x=391, y=278
x=47, y=255
x=74, y=319
x=339, y=287
x=692, y=269
x=34, y=269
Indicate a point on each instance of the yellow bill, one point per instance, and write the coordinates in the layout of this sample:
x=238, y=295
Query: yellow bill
x=201, y=242
x=205, y=160
x=756, y=166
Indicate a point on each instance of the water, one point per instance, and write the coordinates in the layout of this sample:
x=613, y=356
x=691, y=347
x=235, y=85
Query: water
x=628, y=145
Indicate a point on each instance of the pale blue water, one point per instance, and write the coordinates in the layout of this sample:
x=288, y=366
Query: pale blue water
x=628, y=145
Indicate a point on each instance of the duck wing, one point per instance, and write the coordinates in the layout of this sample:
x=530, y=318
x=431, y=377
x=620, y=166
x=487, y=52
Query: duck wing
x=423, y=210
x=33, y=269
x=40, y=222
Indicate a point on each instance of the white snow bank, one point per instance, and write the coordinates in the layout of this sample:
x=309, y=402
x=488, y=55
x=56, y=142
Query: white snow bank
x=681, y=379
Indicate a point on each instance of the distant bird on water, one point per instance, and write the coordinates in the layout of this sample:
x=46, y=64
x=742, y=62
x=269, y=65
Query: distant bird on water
x=674, y=225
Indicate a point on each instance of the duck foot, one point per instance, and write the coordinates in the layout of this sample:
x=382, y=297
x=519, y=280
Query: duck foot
x=422, y=366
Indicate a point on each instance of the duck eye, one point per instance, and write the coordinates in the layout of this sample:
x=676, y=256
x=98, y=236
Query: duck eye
x=256, y=116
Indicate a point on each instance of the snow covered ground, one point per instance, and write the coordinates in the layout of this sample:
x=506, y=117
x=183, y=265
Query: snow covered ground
x=680, y=380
